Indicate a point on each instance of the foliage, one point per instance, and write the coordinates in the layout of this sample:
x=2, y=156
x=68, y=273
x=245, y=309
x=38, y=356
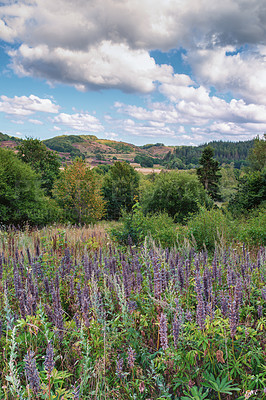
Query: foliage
x=251, y=192
x=257, y=156
x=21, y=198
x=208, y=172
x=145, y=161
x=225, y=152
x=251, y=228
x=228, y=183
x=209, y=228
x=83, y=318
x=64, y=144
x=136, y=227
x=178, y=194
x=78, y=193
x=120, y=188
x=44, y=161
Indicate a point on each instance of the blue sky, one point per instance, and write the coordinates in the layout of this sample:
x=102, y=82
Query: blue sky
x=172, y=71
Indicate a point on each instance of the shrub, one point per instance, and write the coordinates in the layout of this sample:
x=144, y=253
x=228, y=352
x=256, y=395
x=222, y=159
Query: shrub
x=136, y=227
x=209, y=227
x=21, y=198
x=176, y=193
x=252, y=230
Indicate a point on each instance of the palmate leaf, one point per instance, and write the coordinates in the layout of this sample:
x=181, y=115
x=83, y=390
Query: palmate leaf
x=219, y=385
x=196, y=394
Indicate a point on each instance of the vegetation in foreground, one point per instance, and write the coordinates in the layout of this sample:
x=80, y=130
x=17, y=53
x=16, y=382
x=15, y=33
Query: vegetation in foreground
x=82, y=318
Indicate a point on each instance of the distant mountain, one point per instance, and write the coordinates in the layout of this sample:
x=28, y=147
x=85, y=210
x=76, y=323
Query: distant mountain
x=103, y=151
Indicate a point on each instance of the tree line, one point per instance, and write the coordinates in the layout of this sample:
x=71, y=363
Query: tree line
x=35, y=190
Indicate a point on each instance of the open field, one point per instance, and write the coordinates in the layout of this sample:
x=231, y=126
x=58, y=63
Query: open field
x=82, y=318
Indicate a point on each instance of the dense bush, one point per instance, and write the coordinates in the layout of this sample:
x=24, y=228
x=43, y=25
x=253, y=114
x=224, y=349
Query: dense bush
x=209, y=228
x=251, y=193
x=120, y=188
x=176, y=193
x=251, y=229
x=21, y=198
x=136, y=227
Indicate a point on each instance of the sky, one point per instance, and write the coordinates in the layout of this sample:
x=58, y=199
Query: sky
x=178, y=72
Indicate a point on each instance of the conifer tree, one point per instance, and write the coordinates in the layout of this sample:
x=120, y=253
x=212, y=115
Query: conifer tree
x=208, y=172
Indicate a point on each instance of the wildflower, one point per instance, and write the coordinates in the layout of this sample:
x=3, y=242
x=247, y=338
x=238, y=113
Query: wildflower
x=163, y=332
x=49, y=359
x=176, y=329
x=31, y=372
x=119, y=367
x=131, y=357
x=233, y=318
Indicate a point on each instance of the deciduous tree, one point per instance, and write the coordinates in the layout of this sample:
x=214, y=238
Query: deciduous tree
x=77, y=191
x=44, y=161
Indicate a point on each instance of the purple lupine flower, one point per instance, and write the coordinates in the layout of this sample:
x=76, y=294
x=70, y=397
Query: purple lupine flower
x=176, y=328
x=201, y=315
x=238, y=293
x=119, y=367
x=32, y=373
x=49, y=359
x=263, y=293
x=180, y=273
x=131, y=357
x=233, y=318
x=163, y=332
x=224, y=303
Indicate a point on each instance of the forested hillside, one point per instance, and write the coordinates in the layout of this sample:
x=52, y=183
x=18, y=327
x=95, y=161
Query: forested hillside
x=184, y=157
x=104, y=151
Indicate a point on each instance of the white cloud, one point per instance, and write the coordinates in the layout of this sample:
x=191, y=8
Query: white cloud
x=80, y=122
x=23, y=106
x=106, y=43
x=243, y=74
x=35, y=121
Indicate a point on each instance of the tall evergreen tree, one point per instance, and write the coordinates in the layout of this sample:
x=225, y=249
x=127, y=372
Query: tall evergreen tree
x=208, y=172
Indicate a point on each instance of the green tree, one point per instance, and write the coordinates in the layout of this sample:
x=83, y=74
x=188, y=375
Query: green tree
x=257, y=156
x=179, y=194
x=78, y=192
x=251, y=192
x=120, y=187
x=44, y=161
x=208, y=172
x=21, y=198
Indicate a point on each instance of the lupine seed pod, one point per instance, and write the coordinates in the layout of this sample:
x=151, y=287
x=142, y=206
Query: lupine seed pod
x=31, y=372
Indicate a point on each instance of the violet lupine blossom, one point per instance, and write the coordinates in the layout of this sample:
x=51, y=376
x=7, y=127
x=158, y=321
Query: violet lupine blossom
x=163, y=332
x=131, y=357
x=31, y=372
x=233, y=318
x=49, y=359
x=119, y=367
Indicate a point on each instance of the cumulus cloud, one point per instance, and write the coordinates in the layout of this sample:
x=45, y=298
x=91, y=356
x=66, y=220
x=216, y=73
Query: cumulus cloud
x=243, y=72
x=106, y=43
x=79, y=121
x=23, y=106
x=106, y=66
